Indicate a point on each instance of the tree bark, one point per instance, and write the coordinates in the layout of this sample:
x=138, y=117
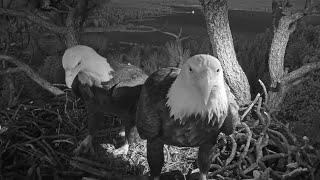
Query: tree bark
x=216, y=15
x=284, y=24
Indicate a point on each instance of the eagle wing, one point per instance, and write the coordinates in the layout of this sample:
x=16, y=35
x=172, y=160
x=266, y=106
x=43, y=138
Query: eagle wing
x=232, y=118
x=125, y=75
x=152, y=102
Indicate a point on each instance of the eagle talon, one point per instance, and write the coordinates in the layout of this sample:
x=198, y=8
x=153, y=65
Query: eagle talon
x=85, y=147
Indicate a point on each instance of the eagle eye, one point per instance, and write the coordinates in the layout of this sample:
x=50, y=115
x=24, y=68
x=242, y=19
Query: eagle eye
x=218, y=70
x=78, y=63
x=190, y=69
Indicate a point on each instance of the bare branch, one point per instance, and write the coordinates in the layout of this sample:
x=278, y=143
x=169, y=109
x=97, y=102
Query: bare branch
x=295, y=83
x=250, y=106
x=33, y=75
x=56, y=10
x=10, y=71
x=299, y=73
x=34, y=18
x=265, y=91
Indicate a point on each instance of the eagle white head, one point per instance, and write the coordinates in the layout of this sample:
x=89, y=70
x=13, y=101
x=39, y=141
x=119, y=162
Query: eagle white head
x=199, y=89
x=91, y=68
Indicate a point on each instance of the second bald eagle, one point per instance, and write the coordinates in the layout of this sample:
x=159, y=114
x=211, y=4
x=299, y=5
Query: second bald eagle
x=107, y=87
x=187, y=107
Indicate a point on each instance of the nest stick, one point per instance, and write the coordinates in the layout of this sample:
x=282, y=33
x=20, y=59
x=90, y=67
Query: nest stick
x=250, y=107
x=233, y=151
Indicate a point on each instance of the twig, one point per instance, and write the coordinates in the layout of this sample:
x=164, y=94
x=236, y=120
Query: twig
x=258, y=111
x=251, y=168
x=233, y=151
x=284, y=139
x=41, y=137
x=249, y=136
x=90, y=162
x=221, y=170
x=53, y=154
x=295, y=173
x=215, y=166
x=49, y=156
x=265, y=92
x=265, y=129
x=259, y=148
x=16, y=112
x=250, y=107
x=44, y=109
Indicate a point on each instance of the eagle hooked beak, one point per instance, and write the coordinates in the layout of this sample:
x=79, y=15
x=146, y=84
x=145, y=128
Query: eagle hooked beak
x=206, y=85
x=70, y=75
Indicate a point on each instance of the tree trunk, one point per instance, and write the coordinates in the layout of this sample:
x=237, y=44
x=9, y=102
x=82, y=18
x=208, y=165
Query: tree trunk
x=284, y=24
x=71, y=36
x=216, y=15
x=276, y=63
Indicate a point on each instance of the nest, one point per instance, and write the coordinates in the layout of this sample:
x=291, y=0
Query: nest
x=38, y=138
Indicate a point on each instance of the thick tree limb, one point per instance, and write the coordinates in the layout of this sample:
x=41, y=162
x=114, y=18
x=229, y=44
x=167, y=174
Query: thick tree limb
x=285, y=20
x=299, y=73
x=216, y=15
x=284, y=24
x=33, y=75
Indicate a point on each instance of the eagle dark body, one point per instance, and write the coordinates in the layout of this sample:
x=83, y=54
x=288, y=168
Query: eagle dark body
x=118, y=97
x=155, y=124
x=159, y=124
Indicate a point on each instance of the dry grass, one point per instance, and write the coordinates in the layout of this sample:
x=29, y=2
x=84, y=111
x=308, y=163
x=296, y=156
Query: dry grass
x=38, y=138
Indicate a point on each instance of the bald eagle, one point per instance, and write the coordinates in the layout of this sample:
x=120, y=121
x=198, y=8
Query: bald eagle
x=186, y=107
x=106, y=87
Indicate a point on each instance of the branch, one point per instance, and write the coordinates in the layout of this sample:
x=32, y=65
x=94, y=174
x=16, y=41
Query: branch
x=10, y=71
x=56, y=10
x=299, y=73
x=33, y=75
x=34, y=18
x=177, y=37
x=308, y=10
x=285, y=21
x=283, y=10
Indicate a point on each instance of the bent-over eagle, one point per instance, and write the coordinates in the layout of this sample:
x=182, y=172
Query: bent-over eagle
x=106, y=87
x=187, y=107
